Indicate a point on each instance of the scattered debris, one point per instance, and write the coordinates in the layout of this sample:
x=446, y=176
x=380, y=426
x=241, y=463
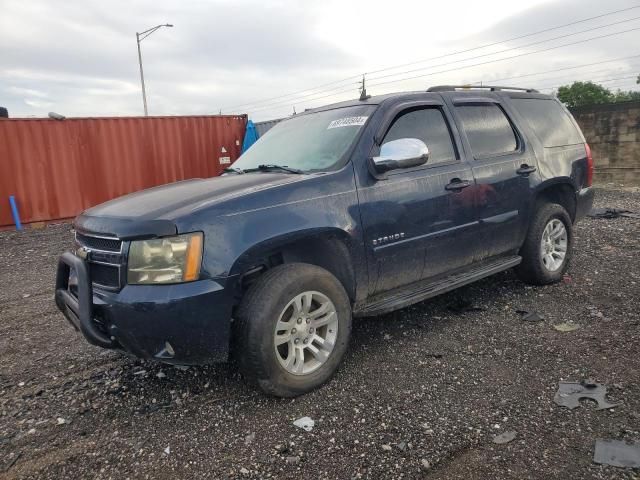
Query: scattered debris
x=161, y=374
x=387, y=336
x=244, y=471
x=167, y=450
x=282, y=447
x=530, y=316
x=463, y=306
x=293, y=460
x=612, y=213
x=566, y=327
x=248, y=440
x=426, y=465
x=181, y=367
x=617, y=453
x=140, y=372
x=386, y=448
x=305, y=423
x=60, y=421
x=402, y=446
x=570, y=393
x=505, y=437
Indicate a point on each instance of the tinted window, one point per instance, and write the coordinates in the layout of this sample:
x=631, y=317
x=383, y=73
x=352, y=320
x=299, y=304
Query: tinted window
x=549, y=121
x=428, y=125
x=488, y=130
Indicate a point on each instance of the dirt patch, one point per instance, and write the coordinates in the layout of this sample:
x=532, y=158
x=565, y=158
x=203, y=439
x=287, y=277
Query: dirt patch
x=421, y=393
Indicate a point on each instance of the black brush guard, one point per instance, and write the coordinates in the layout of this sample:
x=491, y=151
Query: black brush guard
x=78, y=309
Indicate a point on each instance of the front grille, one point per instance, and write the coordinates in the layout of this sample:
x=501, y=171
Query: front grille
x=99, y=243
x=105, y=275
x=105, y=259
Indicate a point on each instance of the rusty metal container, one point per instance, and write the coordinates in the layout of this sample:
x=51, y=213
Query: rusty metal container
x=57, y=168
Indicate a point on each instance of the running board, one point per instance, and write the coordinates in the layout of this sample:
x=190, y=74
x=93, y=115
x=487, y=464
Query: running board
x=417, y=292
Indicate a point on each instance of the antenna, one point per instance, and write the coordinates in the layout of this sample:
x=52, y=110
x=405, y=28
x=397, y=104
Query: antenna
x=363, y=90
x=294, y=110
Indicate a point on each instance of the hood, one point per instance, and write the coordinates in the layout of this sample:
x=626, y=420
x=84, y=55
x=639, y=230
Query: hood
x=151, y=212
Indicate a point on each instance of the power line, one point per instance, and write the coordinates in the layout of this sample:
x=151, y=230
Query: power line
x=283, y=105
x=462, y=67
x=507, y=58
x=504, y=41
x=468, y=66
x=584, y=78
x=560, y=69
x=288, y=103
x=605, y=80
x=537, y=42
x=256, y=102
x=297, y=99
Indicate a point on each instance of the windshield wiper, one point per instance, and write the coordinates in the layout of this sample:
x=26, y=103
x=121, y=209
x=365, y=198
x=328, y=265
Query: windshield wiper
x=271, y=166
x=233, y=170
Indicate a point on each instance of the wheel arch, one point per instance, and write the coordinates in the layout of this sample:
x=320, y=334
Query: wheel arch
x=561, y=191
x=328, y=248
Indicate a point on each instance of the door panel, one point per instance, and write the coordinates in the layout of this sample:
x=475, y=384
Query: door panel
x=418, y=221
x=412, y=218
x=501, y=162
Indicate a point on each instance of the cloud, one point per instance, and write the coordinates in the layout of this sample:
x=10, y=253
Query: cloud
x=80, y=58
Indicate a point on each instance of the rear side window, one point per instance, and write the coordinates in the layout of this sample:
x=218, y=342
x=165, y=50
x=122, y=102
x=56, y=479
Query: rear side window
x=488, y=130
x=428, y=125
x=548, y=120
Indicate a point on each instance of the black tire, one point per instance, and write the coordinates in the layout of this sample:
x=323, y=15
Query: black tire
x=532, y=270
x=258, y=314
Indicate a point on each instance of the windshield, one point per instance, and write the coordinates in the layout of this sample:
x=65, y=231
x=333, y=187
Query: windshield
x=312, y=142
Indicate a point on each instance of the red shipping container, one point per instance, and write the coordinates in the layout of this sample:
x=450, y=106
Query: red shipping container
x=58, y=168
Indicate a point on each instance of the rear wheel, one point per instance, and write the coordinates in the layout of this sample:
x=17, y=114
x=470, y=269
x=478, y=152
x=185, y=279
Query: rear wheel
x=547, y=248
x=294, y=324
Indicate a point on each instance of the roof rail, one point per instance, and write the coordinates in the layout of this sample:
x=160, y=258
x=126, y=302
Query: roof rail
x=492, y=88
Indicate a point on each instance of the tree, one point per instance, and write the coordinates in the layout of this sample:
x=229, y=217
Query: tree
x=584, y=93
x=626, y=96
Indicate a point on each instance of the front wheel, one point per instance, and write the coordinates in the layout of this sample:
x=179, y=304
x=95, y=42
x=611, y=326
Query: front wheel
x=293, y=329
x=547, y=248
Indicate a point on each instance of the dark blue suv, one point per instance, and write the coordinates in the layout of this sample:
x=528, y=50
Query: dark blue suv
x=352, y=209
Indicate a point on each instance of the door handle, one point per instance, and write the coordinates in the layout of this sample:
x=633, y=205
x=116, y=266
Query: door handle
x=457, y=184
x=525, y=169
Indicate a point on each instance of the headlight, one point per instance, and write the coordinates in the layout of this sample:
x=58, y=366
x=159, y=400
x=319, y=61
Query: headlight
x=165, y=260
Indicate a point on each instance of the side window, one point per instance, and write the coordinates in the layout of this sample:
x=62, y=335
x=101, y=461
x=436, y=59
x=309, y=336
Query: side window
x=428, y=125
x=548, y=120
x=488, y=130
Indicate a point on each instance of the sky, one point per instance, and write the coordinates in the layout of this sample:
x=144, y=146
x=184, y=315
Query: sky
x=265, y=58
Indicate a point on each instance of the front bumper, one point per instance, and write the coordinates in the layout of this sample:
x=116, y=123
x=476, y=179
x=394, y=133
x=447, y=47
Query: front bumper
x=186, y=323
x=584, y=202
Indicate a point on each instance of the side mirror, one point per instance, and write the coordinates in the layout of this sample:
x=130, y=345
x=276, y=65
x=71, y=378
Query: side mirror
x=401, y=153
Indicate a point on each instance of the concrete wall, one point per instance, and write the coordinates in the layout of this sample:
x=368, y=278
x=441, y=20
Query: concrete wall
x=613, y=132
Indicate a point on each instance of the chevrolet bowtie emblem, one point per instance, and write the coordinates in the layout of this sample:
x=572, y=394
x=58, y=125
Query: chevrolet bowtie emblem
x=83, y=252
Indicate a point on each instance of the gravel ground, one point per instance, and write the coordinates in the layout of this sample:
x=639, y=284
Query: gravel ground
x=421, y=394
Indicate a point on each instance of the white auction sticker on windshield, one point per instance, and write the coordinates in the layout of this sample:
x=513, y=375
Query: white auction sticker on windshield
x=347, y=122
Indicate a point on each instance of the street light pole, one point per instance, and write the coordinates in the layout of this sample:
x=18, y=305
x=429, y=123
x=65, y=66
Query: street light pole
x=139, y=37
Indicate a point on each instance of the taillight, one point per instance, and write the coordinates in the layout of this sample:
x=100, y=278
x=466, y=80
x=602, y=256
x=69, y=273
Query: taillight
x=589, y=179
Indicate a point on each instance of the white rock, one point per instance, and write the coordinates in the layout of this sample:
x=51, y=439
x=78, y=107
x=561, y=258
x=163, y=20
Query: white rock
x=305, y=423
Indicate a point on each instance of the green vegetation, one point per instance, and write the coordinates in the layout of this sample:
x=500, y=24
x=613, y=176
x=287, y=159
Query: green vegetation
x=579, y=94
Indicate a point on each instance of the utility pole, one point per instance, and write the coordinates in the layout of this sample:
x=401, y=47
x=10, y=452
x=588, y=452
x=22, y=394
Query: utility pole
x=139, y=37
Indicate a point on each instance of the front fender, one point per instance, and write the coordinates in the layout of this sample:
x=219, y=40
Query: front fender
x=326, y=205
